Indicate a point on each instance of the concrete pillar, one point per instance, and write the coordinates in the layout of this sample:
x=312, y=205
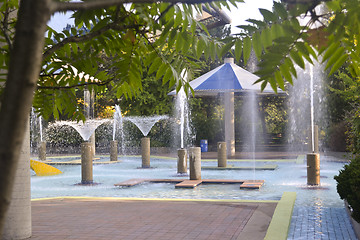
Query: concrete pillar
x=229, y=123
x=145, y=152
x=86, y=163
x=195, y=163
x=316, y=140
x=92, y=141
x=221, y=151
x=114, y=150
x=313, y=168
x=182, y=161
x=18, y=218
x=42, y=151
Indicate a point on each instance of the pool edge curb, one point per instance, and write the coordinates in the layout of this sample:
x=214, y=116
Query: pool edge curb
x=280, y=223
x=154, y=199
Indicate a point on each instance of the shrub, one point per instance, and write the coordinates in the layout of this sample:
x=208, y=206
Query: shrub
x=348, y=186
x=62, y=136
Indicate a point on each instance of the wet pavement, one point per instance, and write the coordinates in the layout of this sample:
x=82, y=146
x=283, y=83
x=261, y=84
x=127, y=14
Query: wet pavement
x=320, y=223
x=111, y=218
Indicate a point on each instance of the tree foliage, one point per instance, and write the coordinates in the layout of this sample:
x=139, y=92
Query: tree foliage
x=157, y=39
x=160, y=38
x=292, y=34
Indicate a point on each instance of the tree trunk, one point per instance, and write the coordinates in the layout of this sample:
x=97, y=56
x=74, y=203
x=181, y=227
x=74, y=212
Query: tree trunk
x=24, y=70
x=18, y=216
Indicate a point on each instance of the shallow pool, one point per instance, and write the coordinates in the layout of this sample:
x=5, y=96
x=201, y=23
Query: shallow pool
x=289, y=176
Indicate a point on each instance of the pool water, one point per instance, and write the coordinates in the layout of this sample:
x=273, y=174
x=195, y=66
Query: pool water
x=289, y=176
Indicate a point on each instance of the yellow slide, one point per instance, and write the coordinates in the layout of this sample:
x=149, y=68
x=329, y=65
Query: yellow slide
x=43, y=169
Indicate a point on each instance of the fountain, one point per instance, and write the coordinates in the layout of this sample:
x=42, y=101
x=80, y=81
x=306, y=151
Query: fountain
x=145, y=124
x=249, y=125
x=114, y=143
x=89, y=100
x=306, y=99
x=86, y=130
x=36, y=121
x=42, y=144
x=182, y=114
x=313, y=158
x=301, y=100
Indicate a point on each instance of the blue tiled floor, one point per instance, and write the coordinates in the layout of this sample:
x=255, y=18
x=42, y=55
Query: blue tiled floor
x=320, y=223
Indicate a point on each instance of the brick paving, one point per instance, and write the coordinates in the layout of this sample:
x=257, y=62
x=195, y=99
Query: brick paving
x=148, y=219
x=320, y=223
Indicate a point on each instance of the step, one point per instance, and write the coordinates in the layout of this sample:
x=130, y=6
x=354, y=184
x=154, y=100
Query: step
x=131, y=182
x=188, y=184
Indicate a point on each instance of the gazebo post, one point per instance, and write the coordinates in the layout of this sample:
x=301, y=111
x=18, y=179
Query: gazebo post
x=229, y=123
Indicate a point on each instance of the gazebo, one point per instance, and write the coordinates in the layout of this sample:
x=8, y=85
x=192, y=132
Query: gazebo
x=228, y=79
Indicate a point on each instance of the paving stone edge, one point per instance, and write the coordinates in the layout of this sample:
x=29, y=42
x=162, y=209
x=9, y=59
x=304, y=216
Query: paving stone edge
x=280, y=222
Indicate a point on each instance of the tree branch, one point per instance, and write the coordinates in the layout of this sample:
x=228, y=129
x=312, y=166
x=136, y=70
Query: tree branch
x=74, y=86
x=164, y=12
x=91, y=35
x=88, y=5
x=5, y=27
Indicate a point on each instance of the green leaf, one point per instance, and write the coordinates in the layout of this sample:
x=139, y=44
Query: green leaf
x=354, y=70
x=276, y=31
x=263, y=85
x=333, y=5
x=284, y=40
x=266, y=38
x=257, y=44
x=156, y=64
x=186, y=42
x=311, y=51
x=248, y=28
x=280, y=10
x=268, y=16
x=162, y=70
x=279, y=80
x=304, y=51
x=200, y=47
x=257, y=22
x=167, y=76
x=225, y=49
x=334, y=58
x=338, y=64
x=67, y=50
x=291, y=67
x=172, y=37
x=212, y=50
x=331, y=50
x=179, y=43
x=238, y=49
x=297, y=59
x=185, y=24
x=285, y=71
x=55, y=112
x=193, y=27
x=246, y=49
x=178, y=19
x=273, y=84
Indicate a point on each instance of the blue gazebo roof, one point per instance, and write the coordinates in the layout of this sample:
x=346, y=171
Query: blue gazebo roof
x=226, y=78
